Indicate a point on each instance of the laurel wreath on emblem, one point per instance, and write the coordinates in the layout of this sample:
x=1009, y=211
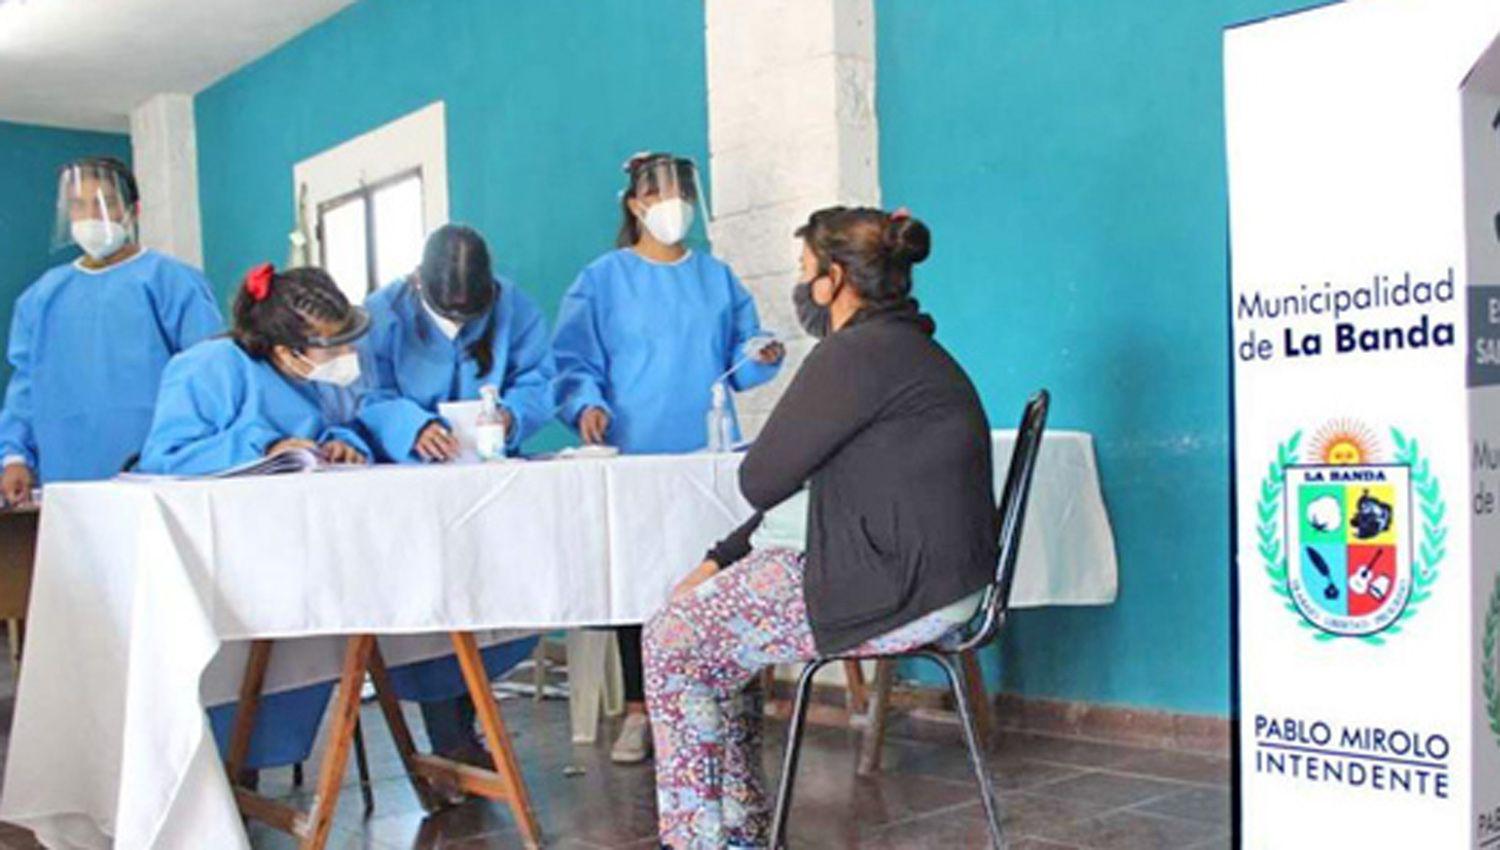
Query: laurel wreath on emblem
x=1430, y=551
x=1491, y=693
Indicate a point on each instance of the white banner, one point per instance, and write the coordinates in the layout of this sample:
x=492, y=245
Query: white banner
x=1361, y=614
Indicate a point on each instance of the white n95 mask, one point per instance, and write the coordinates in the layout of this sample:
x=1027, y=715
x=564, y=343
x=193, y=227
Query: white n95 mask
x=99, y=238
x=669, y=220
x=341, y=371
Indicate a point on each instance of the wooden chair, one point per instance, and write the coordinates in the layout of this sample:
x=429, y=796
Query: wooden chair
x=876, y=705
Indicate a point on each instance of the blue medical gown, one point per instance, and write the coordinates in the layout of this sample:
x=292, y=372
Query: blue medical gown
x=88, y=349
x=645, y=341
x=220, y=407
x=412, y=367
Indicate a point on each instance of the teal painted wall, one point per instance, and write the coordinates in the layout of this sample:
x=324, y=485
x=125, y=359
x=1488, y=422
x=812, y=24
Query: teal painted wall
x=1069, y=158
x=544, y=102
x=29, y=159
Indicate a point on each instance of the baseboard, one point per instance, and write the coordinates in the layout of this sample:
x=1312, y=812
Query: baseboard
x=929, y=711
x=1116, y=724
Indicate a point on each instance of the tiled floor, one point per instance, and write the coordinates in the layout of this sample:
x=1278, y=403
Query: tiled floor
x=1056, y=793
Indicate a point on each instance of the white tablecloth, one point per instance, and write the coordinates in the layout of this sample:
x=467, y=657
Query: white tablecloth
x=145, y=592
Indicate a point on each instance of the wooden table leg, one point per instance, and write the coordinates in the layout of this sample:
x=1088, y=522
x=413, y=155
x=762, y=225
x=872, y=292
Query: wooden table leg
x=362, y=656
x=17, y=633
x=974, y=681
x=341, y=738
x=385, y=695
x=870, y=745
x=311, y=827
x=249, y=705
x=472, y=665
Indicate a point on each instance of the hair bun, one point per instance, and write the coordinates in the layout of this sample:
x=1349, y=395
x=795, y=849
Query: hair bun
x=906, y=240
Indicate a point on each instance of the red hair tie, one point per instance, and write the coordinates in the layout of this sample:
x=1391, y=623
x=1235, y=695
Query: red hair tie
x=900, y=214
x=258, y=282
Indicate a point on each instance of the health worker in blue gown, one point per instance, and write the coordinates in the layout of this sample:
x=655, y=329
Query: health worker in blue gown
x=643, y=336
x=89, y=339
x=283, y=379
x=448, y=329
x=439, y=335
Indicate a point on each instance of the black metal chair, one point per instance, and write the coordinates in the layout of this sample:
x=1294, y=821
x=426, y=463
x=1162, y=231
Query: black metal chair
x=981, y=631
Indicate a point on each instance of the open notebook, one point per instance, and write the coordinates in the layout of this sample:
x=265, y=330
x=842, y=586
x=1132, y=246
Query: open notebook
x=281, y=463
x=291, y=460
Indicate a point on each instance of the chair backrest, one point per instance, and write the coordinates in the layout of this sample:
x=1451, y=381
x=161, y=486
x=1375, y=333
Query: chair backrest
x=1010, y=520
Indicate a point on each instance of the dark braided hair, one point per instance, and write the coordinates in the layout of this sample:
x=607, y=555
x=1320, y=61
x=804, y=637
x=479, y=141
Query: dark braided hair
x=296, y=298
x=876, y=249
x=642, y=181
x=456, y=273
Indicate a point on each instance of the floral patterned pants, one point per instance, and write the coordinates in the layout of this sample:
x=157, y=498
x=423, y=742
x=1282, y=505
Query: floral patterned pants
x=702, y=657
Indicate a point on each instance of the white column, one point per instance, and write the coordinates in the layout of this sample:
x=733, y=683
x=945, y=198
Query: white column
x=791, y=128
x=164, y=144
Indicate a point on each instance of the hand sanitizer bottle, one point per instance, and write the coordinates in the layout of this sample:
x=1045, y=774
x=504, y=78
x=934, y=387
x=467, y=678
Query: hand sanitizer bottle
x=489, y=429
x=720, y=425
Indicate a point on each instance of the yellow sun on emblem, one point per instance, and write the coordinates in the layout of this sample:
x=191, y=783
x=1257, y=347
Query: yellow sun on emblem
x=1344, y=442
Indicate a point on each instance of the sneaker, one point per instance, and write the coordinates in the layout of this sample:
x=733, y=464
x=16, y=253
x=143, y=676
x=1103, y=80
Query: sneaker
x=634, y=744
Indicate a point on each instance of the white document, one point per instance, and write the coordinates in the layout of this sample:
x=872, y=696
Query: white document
x=463, y=417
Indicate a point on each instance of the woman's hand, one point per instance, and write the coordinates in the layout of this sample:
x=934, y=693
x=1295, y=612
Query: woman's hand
x=340, y=452
x=291, y=444
x=16, y=484
x=436, y=444
x=593, y=425
x=771, y=354
x=705, y=571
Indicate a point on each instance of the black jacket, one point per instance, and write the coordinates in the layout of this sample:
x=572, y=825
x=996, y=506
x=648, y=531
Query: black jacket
x=888, y=433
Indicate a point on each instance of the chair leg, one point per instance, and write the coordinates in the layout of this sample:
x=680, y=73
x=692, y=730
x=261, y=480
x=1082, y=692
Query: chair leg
x=854, y=678
x=793, y=750
x=954, y=668
x=979, y=699
x=871, y=741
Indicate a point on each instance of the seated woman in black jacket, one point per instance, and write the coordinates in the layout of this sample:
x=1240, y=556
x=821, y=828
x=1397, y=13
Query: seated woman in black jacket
x=888, y=434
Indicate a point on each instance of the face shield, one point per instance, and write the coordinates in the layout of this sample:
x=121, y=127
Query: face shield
x=355, y=327
x=670, y=196
x=96, y=202
x=332, y=359
x=459, y=302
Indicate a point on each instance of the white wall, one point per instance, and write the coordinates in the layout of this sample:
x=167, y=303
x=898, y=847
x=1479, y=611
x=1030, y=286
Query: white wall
x=164, y=147
x=791, y=128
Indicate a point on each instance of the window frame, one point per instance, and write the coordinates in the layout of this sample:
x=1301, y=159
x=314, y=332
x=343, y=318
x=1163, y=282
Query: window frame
x=366, y=192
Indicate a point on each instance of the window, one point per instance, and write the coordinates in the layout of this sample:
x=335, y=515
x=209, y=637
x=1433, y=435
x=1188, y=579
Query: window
x=366, y=206
x=373, y=235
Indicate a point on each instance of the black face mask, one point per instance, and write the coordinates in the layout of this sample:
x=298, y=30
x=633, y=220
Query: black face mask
x=814, y=317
